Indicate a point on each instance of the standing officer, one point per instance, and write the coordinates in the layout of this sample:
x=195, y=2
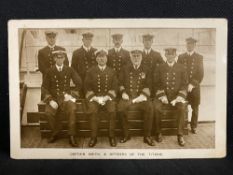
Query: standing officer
x=84, y=57
x=134, y=83
x=101, y=88
x=117, y=56
x=170, y=81
x=45, y=59
x=193, y=63
x=151, y=58
x=59, y=98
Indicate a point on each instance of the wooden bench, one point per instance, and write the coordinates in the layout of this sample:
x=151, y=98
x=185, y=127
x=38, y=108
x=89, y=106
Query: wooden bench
x=168, y=122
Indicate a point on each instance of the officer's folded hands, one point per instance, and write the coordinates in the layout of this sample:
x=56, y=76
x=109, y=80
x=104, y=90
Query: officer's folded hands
x=139, y=99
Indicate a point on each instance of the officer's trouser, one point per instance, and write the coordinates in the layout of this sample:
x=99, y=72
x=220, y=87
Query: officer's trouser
x=145, y=107
x=180, y=113
x=93, y=109
x=55, y=117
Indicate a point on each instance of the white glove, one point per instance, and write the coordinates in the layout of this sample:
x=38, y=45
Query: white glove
x=164, y=99
x=177, y=100
x=125, y=96
x=139, y=99
x=190, y=87
x=53, y=104
x=94, y=99
x=106, y=98
x=101, y=100
x=67, y=97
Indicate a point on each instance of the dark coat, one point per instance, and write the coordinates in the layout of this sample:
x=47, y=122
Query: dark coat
x=56, y=84
x=83, y=60
x=100, y=83
x=135, y=81
x=170, y=81
x=195, y=71
x=45, y=59
x=117, y=60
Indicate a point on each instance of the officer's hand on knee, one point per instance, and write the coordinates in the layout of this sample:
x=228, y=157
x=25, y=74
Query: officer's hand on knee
x=53, y=104
x=125, y=96
x=164, y=99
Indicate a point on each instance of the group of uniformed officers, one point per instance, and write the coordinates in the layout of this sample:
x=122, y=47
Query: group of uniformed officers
x=117, y=80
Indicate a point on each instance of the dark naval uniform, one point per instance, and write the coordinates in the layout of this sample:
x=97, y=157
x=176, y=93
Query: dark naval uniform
x=170, y=82
x=116, y=60
x=101, y=83
x=195, y=71
x=45, y=58
x=83, y=60
x=152, y=60
x=55, y=85
x=135, y=82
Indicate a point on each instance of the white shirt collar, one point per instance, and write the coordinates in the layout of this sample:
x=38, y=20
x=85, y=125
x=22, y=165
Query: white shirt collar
x=147, y=51
x=86, y=48
x=51, y=47
x=117, y=49
x=170, y=64
x=102, y=67
x=190, y=53
x=59, y=67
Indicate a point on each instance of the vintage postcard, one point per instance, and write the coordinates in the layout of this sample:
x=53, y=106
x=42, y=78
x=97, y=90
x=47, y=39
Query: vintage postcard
x=117, y=88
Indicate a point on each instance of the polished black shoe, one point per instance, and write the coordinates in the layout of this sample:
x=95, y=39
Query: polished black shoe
x=92, y=142
x=194, y=130
x=73, y=142
x=149, y=141
x=181, y=141
x=124, y=139
x=52, y=139
x=112, y=141
x=159, y=137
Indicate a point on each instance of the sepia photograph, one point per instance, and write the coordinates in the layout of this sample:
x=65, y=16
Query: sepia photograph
x=117, y=88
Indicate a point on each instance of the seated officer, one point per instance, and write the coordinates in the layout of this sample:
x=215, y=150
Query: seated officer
x=170, y=81
x=134, y=83
x=59, y=97
x=101, y=88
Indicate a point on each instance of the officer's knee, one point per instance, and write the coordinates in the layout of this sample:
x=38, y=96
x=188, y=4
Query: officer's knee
x=111, y=106
x=71, y=106
x=92, y=107
x=181, y=106
x=157, y=105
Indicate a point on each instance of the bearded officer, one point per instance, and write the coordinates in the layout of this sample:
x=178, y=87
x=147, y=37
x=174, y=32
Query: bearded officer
x=117, y=56
x=170, y=82
x=84, y=57
x=193, y=63
x=59, y=97
x=151, y=58
x=101, y=88
x=45, y=58
x=134, y=84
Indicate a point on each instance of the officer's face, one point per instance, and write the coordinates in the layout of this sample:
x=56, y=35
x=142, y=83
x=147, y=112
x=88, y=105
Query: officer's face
x=190, y=46
x=147, y=43
x=87, y=42
x=170, y=57
x=101, y=60
x=117, y=42
x=136, y=59
x=59, y=60
x=51, y=40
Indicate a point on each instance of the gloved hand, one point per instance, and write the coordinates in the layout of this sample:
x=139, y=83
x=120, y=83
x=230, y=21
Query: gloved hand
x=139, y=99
x=53, y=104
x=164, y=99
x=190, y=87
x=106, y=98
x=177, y=100
x=125, y=96
x=67, y=97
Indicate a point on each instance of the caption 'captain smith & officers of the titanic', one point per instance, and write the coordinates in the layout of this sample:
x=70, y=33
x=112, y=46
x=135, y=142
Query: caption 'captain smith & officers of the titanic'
x=116, y=80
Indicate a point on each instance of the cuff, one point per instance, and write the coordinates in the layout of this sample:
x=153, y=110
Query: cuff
x=90, y=94
x=160, y=93
x=47, y=98
x=146, y=92
x=112, y=94
x=182, y=93
x=75, y=94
